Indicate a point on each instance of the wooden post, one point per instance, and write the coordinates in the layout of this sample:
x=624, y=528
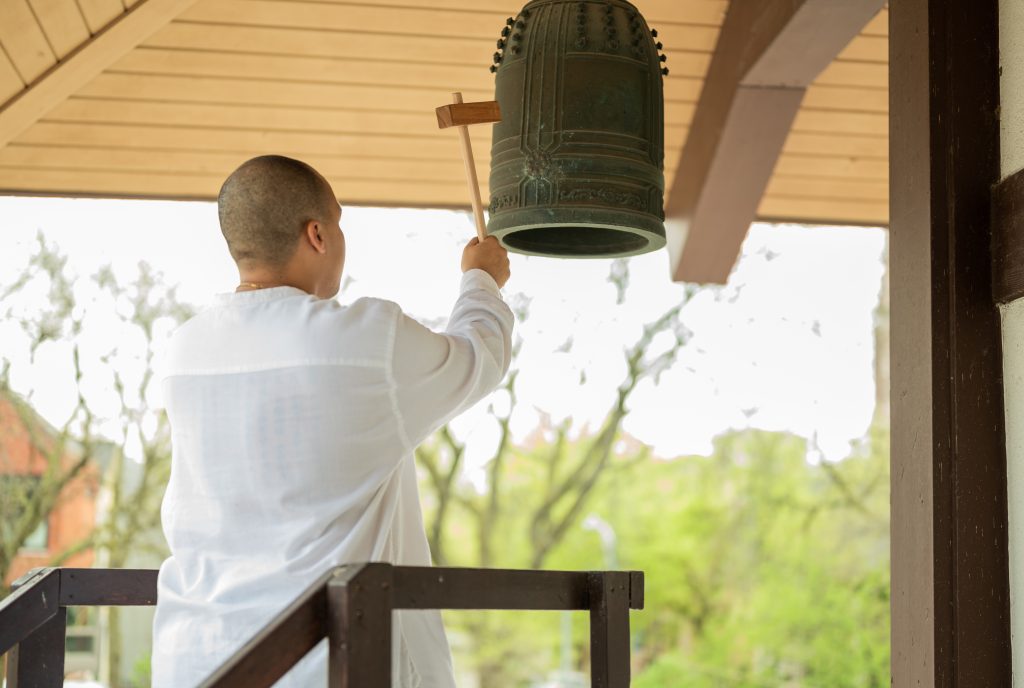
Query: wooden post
x=609, y=629
x=38, y=660
x=950, y=594
x=360, y=602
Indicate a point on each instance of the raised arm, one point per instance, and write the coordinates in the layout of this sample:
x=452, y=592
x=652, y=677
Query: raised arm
x=439, y=375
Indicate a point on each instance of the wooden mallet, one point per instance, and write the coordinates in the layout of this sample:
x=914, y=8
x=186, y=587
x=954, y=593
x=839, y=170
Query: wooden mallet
x=461, y=115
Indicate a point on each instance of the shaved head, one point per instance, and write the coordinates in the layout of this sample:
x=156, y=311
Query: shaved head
x=264, y=207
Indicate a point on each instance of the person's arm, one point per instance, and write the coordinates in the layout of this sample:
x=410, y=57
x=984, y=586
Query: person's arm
x=438, y=375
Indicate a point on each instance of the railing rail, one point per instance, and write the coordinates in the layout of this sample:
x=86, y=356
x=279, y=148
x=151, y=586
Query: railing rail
x=349, y=605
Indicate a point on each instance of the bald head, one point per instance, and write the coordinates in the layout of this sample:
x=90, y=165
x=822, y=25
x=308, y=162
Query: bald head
x=265, y=205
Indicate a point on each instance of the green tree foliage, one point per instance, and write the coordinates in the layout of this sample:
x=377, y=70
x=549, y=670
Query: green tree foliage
x=763, y=569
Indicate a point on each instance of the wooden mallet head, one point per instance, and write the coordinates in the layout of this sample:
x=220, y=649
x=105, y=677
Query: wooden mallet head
x=461, y=115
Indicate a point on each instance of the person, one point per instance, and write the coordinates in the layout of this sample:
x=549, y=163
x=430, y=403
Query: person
x=294, y=421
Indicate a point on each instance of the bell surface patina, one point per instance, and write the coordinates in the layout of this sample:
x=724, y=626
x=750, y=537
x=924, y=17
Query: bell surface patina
x=577, y=160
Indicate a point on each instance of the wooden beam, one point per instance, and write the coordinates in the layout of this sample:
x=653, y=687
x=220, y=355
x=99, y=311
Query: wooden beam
x=767, y=54
x=950, y=590
x=85, y=62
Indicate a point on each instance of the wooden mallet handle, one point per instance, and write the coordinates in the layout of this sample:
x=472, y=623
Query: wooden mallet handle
x=461, y=115
x=474, y=184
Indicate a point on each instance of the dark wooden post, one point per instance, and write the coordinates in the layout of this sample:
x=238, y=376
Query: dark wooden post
x=360, y=600
x=609, y=629
x=950, y=598
x=38, y=660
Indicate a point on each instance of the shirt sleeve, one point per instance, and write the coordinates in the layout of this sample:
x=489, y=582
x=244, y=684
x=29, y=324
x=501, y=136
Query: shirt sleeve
x=439, y=375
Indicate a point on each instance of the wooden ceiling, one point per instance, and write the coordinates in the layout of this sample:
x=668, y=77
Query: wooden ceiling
x=351, y=87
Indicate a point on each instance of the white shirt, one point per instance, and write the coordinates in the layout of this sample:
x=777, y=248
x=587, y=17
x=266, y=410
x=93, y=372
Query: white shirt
x=293, y=425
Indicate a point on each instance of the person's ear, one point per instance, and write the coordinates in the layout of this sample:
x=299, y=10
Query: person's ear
x=315, y=237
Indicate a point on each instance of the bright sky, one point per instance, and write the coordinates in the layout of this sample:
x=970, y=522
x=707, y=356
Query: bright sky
x=786, y=345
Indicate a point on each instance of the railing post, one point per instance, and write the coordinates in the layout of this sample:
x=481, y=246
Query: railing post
x=609, y=629
x=38, y=660
x=360, y=600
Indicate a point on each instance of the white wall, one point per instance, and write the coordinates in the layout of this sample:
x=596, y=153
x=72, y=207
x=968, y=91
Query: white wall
x=1011, y=87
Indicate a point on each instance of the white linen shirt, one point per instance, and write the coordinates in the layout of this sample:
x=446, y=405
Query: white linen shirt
x=293, y=424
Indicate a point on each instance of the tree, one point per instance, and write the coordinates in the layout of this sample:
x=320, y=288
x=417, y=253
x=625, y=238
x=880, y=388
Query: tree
x=113, y=424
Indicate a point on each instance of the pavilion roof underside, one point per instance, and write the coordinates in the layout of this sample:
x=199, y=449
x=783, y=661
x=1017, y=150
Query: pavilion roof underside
x=351, y=88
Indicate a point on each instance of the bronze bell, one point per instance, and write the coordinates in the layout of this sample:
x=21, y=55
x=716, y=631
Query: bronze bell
x=577, y=160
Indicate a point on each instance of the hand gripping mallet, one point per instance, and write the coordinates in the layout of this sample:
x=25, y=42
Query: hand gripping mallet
x=461, y=115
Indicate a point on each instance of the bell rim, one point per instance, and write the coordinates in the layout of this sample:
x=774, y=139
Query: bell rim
x=655, y=239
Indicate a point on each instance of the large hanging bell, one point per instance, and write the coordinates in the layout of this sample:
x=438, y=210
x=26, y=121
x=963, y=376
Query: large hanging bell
x=577, y=160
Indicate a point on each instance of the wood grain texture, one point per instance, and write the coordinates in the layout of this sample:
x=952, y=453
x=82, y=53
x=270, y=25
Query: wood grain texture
x=467, y=114
x=99, y=13
x=10, y=80
x=89, y=59
x=63, y=24
x=950, y=590
x=108, y=587
x=34, y=602
x=24, y=41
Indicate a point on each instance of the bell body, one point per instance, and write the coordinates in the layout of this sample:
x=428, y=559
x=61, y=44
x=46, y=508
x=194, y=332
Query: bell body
x=577, y=160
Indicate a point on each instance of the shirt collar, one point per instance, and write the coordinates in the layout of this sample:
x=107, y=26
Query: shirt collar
x=257, y=295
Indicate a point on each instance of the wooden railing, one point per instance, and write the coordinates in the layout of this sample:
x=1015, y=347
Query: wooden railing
x=350, y=606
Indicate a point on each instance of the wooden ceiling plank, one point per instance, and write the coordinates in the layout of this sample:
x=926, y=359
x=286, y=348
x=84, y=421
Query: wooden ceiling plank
x=362, y=144
x=99, y=13
x=182, y=88
x=270, y=117
x=332, y=69
x=863, y=74
x=23, y=40
x=253, y=92
x=854, y=146
x=446, y=171
x=879, y=26
x=222, y=162
x=188, y=138
x=708, y=12
x=205, y=187
x=367, y=18
x=851, y=99
x=91, y=58
x=823, y=211
x=462, y=50
x=867, y=49
x=10, y=80
x=767, y=54
x=827, y=121
x=62, y=23
x=839, y=189
x=820, y=166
